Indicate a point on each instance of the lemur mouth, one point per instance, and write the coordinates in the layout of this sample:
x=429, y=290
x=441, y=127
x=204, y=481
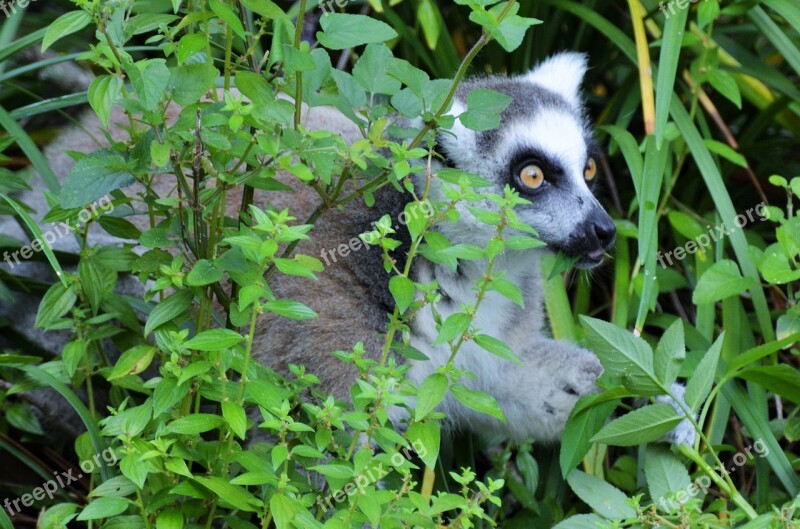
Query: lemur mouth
x=591, y=259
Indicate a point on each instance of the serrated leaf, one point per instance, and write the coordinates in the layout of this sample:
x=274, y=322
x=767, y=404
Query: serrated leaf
x=670, y=353
x=721, y=281
x=644, y=425
x=626, y=357
x=203, y=273
x=665, y=473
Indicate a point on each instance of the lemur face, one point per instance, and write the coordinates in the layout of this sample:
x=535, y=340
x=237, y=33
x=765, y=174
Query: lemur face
x=543, y=149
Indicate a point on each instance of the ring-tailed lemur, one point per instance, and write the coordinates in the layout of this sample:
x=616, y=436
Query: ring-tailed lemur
x=543, y=148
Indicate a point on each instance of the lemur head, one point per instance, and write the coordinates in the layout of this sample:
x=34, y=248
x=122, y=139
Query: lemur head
x=543, y=148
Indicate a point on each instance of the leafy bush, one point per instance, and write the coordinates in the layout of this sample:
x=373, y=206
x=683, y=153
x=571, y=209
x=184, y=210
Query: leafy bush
x=203, y=436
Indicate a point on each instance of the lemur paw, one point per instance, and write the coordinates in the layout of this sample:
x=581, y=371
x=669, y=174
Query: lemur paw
x=580, y=379
x=684, y=433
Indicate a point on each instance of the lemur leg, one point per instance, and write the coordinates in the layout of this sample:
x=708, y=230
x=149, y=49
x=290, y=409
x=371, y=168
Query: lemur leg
x=537, y=397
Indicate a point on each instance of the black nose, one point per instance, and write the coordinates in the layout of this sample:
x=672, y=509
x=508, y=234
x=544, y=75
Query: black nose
x=605, y=230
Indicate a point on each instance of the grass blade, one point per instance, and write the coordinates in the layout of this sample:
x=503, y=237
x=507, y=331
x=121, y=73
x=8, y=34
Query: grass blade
x=30, y=149
x=38, y=234
x=668, y=69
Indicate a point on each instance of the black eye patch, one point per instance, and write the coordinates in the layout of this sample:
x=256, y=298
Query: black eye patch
x=553, y=171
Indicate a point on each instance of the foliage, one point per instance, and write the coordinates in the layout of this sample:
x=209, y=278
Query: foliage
x=185, y=399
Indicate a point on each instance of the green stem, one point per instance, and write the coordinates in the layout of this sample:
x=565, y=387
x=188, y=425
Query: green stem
x=298, y=97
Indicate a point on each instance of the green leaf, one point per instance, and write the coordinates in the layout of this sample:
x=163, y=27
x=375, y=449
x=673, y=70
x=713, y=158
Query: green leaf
x=335, y=470
x=699, y=384
x=290, y=309
x=92, y=282
x=665, y=473
x=623, y=355
x=234, y=495
x=371, y=71
x=403, y=291
x=721, y=281
x=644, y=425
x=235, y=417
x=214, y=340
x=781, y=379
x=484, y=108
x=430, y=394
x=133, y=361
x=497, y=348
x=670, y=353
x=341, y=31
x=54, y=517
x=57, y=301
x=605, y=499
x=671, y=43
x=724, y=150
x=150, y=78
x=203, y=273
x=104, y=508
x=176, y=305
x=583, y=521
x=103, y=93
x=583, y=423
x=37, y=232
x=425, y=438
x=188, y=83
x=231, y=19
x=453, y=327
x=478, y=401
x=195, y=424
x=66, y=24
x=171, y=518
x=725, y=84
x=94, y=176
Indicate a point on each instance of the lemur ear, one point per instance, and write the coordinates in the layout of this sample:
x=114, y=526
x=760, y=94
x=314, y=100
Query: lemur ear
x=562, y=73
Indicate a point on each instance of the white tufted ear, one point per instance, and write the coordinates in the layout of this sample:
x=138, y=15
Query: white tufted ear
x=562, y=73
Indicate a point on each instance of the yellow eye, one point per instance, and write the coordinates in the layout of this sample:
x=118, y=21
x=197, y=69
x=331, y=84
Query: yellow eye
x=591, y=170
x=532, y=176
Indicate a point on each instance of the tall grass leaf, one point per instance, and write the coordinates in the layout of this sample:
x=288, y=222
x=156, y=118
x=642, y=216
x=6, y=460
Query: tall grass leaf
x=788, y=9
x=772, y=32
x=758, y=428
x=724, y=205
x=30, y=149
x=37, y=232
x=671, y=42
x=43, y=377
